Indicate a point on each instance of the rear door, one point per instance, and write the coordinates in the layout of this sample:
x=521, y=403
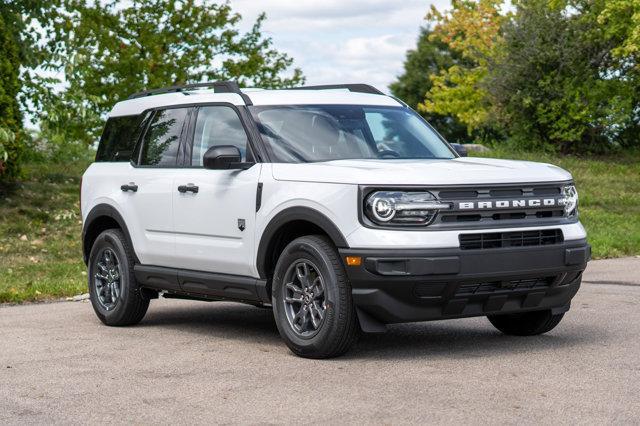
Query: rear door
x=214, y=227
x=149, y=186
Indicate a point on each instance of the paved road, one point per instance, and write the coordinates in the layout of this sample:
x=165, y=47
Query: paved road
x=194, y=362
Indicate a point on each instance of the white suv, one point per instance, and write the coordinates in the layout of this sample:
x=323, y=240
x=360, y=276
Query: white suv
x=337, y=206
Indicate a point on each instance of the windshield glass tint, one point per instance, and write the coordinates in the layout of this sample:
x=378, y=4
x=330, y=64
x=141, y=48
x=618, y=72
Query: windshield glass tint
x=301, y=134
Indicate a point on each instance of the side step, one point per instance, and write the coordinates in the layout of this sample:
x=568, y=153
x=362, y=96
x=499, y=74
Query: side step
x=203, y=285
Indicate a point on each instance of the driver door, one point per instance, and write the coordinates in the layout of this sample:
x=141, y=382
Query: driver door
x=214, y=221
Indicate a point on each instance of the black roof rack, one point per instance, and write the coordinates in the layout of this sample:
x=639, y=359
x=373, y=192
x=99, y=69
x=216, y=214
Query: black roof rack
x=218, y=86
x=355, y=87
x=232, y=87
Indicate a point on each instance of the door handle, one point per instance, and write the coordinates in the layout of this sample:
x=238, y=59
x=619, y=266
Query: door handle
x=188, y=188
x=130, y=187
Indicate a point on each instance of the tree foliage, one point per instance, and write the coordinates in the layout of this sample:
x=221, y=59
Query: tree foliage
x=10, y=116
x=620, y=20
x=559, y=74
x=114, y=50
x=67, y=62
x=12, y=55
x=429, y=57
x=554, y=80
x=27, y=41
x=472, y=29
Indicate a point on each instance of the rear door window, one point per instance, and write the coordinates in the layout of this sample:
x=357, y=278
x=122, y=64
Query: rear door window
x=162, y=139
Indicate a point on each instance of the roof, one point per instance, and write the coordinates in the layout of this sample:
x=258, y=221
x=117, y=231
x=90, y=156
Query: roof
x=319, y=97
x=257, y=97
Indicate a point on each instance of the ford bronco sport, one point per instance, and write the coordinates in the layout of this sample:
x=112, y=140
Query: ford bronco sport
x=338, y=207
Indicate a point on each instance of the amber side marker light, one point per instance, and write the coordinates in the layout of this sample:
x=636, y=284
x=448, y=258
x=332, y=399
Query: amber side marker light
x=353, y=260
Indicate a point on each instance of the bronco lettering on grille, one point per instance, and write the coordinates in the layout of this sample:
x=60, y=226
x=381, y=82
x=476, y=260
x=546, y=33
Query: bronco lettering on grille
x=505, y=204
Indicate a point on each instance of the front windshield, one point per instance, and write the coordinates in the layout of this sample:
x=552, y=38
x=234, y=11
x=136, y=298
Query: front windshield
x=310, y=133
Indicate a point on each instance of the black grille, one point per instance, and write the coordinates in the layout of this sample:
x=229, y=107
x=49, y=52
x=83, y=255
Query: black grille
x=481, y=288
x=500, y=192
x=493, y=206
x=493, y=240
x=513, y=215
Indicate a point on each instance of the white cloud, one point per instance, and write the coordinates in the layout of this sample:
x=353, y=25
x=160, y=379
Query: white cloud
x=374, y=60
x=342, y=41
x=375, y=48
x=324, y=9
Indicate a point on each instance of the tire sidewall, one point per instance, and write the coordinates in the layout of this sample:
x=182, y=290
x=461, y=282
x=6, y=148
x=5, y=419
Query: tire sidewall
x=109, y=239
x=307, y=249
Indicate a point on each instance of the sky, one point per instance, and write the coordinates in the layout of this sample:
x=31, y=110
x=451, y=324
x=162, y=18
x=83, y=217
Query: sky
x=349, y=41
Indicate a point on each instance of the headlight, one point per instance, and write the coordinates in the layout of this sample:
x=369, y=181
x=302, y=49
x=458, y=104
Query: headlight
x=569, y=200
x=402, y=208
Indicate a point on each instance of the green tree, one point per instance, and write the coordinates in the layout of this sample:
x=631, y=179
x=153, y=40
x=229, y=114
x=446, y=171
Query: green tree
x=10, y=116
x=554, y=81
x=620, y=20
x=115, y=50
x=559, y=74
x=27, y=41
x=473, y=30
x=428, y=58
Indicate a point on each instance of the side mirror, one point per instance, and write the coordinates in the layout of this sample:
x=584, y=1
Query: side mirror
x=224, y=157
x=460, y=149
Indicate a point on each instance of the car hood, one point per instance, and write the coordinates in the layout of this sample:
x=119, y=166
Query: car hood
x=458, y=171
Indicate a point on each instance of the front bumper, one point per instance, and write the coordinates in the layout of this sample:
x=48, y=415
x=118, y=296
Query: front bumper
x=396, y=285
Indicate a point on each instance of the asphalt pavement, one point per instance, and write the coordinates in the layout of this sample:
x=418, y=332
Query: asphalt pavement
x=195, y=362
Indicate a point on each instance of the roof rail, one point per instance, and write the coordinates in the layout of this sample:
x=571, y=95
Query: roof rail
x=218, y=86
x=354, y=87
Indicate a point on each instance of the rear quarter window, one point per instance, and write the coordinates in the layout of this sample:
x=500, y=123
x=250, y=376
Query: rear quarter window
x=118, y=139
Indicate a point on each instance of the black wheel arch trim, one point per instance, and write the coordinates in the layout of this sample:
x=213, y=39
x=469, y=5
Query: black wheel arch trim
x=292, y=214
x=98, y=211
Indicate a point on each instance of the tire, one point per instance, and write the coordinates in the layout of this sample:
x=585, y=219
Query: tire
x=312, y=335
x=117, y=302
x=527, y=323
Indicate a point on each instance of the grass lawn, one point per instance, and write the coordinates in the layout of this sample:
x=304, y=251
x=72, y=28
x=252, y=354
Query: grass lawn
x=40, y=248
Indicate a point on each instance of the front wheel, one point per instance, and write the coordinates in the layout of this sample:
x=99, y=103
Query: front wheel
x=311, y=299
x=527, y=323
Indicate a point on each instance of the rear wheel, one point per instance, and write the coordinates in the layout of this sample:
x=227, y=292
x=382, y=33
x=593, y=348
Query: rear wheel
x=116, y=298
x=526, y=323
x=311, y=299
